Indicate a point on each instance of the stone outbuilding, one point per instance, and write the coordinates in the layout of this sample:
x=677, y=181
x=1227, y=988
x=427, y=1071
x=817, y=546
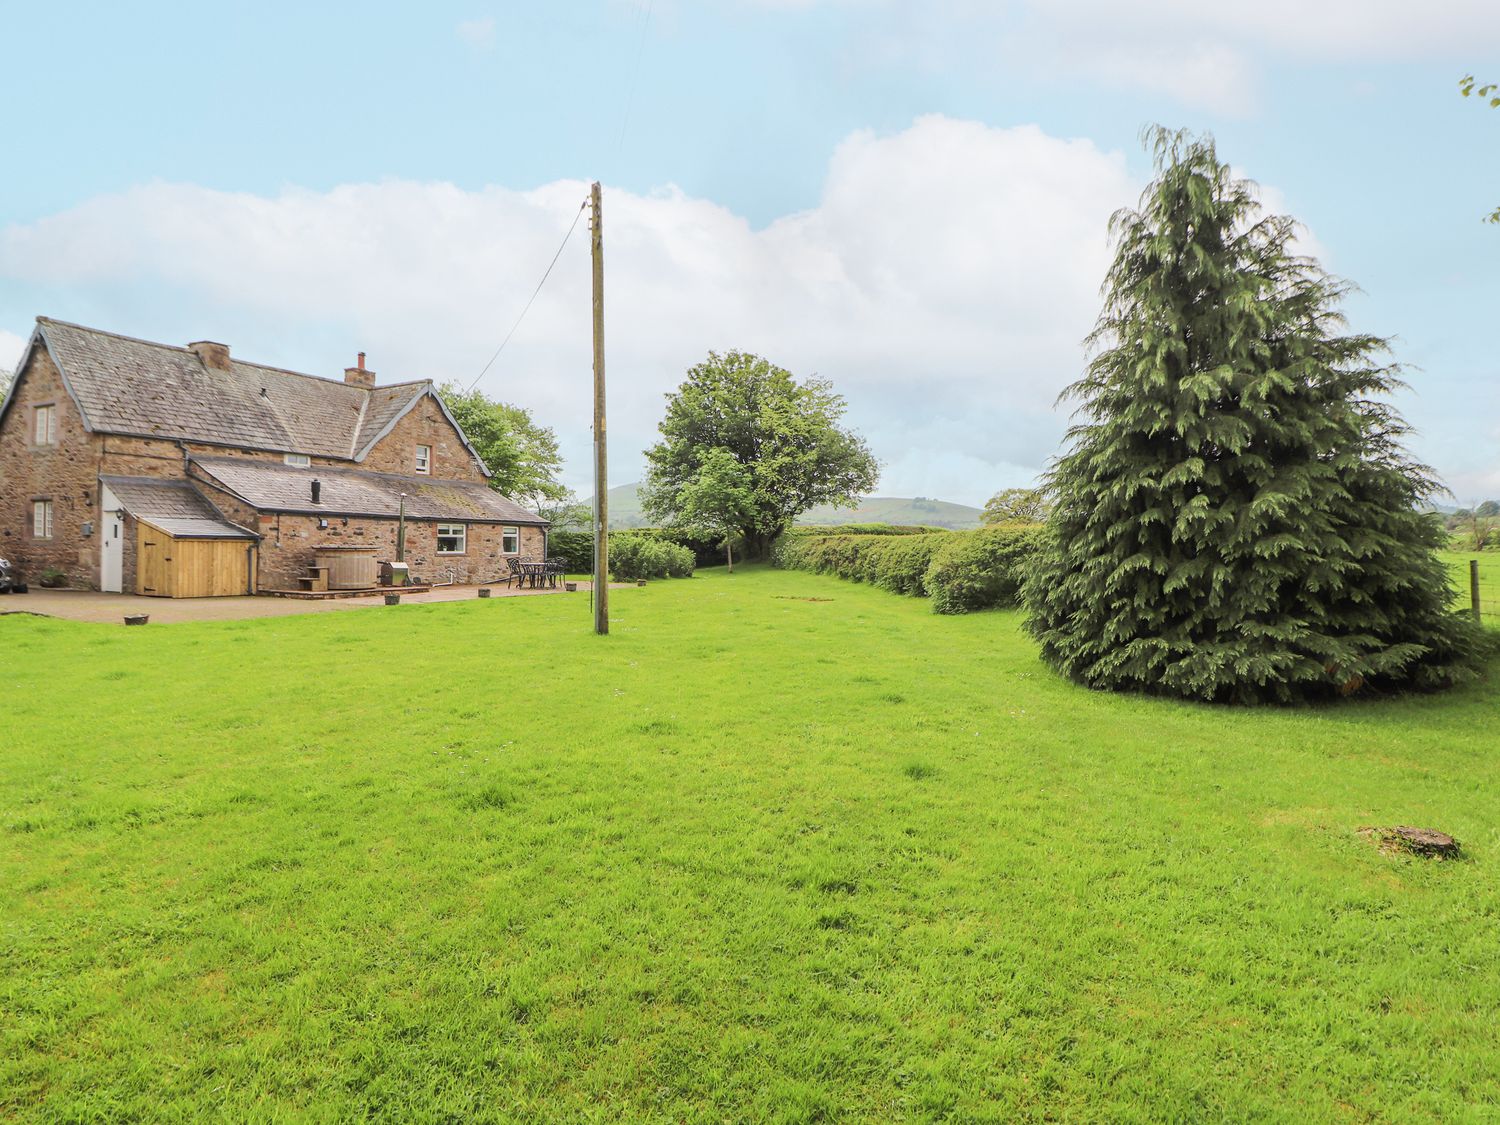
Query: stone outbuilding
x=127, y=465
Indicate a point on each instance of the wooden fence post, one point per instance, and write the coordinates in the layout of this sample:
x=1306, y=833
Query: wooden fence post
x=1474, y=587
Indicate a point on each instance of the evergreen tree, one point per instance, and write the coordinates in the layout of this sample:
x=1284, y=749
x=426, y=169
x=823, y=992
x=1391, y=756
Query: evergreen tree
x=1235, y=518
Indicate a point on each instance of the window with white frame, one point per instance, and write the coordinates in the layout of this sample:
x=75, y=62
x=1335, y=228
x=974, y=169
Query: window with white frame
x=424, y=458
x=298, y=460
x=46, y=425
x=452, y=538
x=41, y=519
x=510, y=540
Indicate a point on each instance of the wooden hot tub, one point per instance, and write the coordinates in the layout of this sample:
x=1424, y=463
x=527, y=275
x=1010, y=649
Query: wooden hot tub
x=349, y=568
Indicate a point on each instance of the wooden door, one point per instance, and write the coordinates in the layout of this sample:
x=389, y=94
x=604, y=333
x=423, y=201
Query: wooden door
x=153, y=561
x=210, y=568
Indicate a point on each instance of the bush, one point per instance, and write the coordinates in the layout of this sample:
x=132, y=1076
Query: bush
x=981, y=569
x=634, y=556
x=575, y=547
x=893, y=562
x=960, y=570
x=706, y=552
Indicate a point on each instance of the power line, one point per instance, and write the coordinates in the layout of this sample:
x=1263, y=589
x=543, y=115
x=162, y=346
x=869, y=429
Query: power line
x=644, y=12
x=534, y=292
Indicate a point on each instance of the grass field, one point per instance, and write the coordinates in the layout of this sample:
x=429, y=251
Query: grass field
x=780, y=848
x=1489, y=581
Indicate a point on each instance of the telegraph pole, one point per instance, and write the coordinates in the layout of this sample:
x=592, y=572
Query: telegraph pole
x=601, y=465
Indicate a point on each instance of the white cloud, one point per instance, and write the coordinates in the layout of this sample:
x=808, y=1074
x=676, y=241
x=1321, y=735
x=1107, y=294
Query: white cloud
x=1209, y=55
x=943, y=282
x=478, y=33
x=11, y=347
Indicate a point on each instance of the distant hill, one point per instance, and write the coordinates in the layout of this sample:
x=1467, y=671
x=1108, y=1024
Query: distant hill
x=898, y=510
x=625, y=511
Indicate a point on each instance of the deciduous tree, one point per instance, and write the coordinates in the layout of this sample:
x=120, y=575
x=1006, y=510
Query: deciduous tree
x=522, y=455
x=1023, y=505
x=717, y=502
x=1469, y=86
x=1235, y=517
x=784, y=434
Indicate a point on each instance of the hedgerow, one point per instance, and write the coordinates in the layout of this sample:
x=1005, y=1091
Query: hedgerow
x=984, y=568
x=576, y=547
x=960, y=570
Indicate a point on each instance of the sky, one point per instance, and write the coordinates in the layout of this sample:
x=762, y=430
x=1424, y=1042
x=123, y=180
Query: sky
x=909, y=200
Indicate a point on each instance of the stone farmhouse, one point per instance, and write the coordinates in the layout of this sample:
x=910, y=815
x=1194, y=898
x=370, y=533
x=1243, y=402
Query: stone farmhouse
x=148, y=468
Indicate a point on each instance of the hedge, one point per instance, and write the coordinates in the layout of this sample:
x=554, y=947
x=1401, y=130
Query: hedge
x=633, y=556
x=576, y=547
x=960, y=570
x=984, y=568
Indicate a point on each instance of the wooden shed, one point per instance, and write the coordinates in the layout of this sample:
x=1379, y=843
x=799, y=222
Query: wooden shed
x=186, y=558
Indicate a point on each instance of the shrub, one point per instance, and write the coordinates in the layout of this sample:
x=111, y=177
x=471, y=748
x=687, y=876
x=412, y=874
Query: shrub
x=892, y=562
x=575, y=547
x=980, y=569
x=634, y=556
x=960, y=570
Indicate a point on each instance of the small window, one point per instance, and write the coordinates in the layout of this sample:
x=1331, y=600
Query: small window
x=452, y=538
x=510, y=540
x=298, y=460
x=424, y=458
x=41, y=519
x=46, y=425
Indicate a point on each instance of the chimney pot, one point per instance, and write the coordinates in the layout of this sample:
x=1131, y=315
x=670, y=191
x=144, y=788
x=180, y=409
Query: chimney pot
x=213, y=355
x=361, y=361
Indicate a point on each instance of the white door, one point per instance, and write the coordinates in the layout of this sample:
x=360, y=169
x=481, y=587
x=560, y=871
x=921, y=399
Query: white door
x=111, y=546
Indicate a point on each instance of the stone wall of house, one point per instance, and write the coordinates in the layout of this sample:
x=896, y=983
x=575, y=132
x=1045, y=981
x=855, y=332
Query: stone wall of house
x=424, y=424
x=288, y=543
x=163, y=457
x=66, y=473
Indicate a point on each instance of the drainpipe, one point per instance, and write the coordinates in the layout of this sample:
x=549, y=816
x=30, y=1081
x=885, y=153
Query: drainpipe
x=401, y=531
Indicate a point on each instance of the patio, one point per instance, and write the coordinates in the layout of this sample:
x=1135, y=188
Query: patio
x=92, y=606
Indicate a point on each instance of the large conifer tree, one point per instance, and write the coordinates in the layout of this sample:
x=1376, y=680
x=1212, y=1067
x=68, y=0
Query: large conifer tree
x=1235, y=518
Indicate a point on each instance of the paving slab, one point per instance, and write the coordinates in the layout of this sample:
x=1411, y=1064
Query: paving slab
x=90, y=605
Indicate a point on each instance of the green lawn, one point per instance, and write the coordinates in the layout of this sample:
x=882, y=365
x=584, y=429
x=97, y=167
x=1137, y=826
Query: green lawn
x=1489, y=581
x=780, y=848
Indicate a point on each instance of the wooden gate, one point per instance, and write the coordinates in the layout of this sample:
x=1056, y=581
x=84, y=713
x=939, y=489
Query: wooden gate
x=169, y=567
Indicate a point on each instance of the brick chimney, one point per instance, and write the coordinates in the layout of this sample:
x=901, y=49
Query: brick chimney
x=359, y=376
x=214, y=356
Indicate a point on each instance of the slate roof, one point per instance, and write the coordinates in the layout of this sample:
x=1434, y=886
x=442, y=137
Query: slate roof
x=129, y=386
x=355, y=492
x=175, y=506
x=199, y=529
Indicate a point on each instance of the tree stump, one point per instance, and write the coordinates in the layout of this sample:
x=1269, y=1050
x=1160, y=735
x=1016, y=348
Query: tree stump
x=1426, y=842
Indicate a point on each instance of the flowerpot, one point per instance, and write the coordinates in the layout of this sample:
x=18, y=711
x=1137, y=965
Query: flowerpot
x=137, y=618
x=484, y=591
x=393, y=599
x=571, y=587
